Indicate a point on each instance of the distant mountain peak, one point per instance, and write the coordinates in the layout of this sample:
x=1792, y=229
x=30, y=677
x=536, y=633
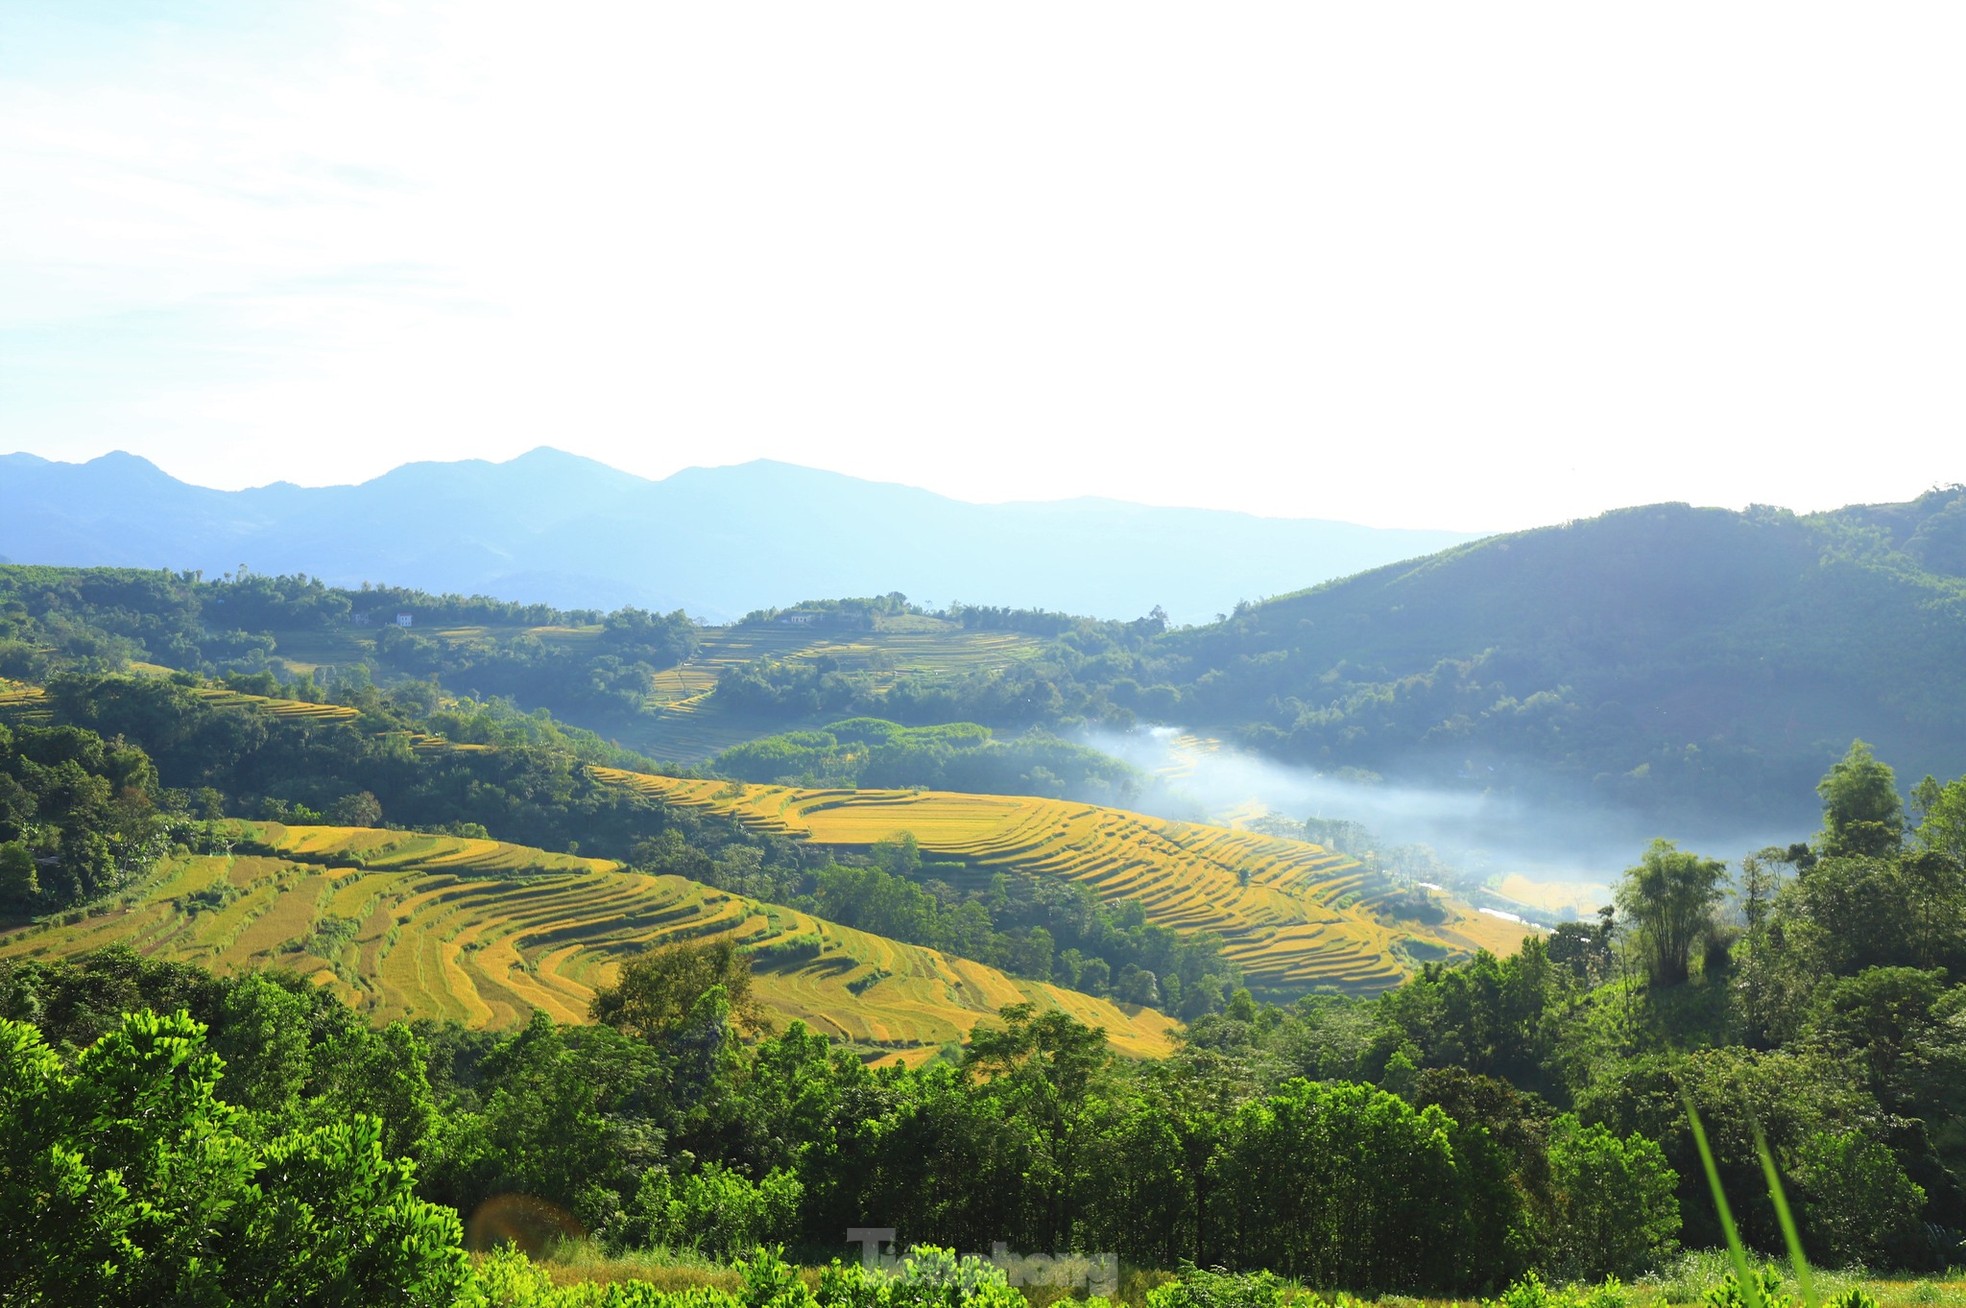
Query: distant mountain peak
x=558, y=527
x=122, y=469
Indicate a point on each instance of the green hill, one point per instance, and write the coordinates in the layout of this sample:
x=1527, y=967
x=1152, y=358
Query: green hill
x=1669, y=659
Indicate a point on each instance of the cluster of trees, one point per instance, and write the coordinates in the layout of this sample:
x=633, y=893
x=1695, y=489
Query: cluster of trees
x=534, y=789
x=100, y=619
x=78, y=816
x=662, y=1122
x=606, y=678
x=267, y=1149
x=965, y=756
x=861, y=613
x=126, y=1178
x=1815, y=1003
x=1065, y=684
x=1043, y=622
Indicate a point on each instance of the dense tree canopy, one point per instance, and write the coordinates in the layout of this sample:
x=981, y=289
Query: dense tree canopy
x=1669, y=899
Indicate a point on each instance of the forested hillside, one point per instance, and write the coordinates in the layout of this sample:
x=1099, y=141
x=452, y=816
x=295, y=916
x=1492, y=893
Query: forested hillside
x=1668, y=663
x=1696, y=666
x=1673, y=660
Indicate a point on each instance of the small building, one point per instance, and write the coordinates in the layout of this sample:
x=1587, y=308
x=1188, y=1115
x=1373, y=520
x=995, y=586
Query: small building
x=405, y=620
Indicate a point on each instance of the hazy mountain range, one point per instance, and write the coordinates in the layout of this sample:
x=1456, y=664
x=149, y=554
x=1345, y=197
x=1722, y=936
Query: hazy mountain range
x=716, y=542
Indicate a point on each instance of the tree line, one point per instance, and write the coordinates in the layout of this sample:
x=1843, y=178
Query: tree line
x=55, y=620
x=663, y=1124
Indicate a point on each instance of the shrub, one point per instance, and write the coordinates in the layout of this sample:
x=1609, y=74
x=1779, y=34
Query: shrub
x=715, y=1211
x=1217, y=1289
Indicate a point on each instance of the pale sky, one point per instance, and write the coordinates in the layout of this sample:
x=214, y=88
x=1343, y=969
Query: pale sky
x=1451, y=265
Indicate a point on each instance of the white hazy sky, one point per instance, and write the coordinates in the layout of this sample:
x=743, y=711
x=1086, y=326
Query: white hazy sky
x=1451, y=265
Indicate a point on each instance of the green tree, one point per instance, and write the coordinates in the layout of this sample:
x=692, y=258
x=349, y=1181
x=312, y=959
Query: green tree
x=380, y=1072
x=20, y=882
x=359, y=809
x=127, y=1180
x=1787, y=1094
x=541, y=1133
x=714, y=1210
x=1616, y=1207
x=1045, y=1073
x=1857, y=1203
x=1862, y=814
x=1942, y=819
x=655, y=994
x=1341, y=1185
x=1757, y=958
x=1669, y=898
x=262, y=1036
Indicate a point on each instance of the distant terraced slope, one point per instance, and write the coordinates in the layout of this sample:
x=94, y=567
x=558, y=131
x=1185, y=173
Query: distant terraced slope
x=407, y=925
x=685, y=724
x=28, y=703
x=1295, y=916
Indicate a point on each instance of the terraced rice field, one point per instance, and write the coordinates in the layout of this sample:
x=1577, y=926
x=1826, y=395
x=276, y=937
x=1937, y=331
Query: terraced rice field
x=280, y=708
x=25, y=702
x=20, y=702
x=406, y=925
x=1185, y=753
x=688, y=727
x=1295, y=916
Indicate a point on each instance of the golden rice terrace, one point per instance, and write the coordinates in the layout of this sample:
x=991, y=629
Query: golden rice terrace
x=1295, y=916
x=408, y=925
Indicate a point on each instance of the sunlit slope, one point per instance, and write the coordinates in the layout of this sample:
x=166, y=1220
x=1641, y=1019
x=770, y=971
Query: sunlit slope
x=406, y=925
x=25, y=702
x=1295, y=916
x=686, y=724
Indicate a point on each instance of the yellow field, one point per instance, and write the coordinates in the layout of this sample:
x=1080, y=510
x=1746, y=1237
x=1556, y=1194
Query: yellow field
x=20, y=702
x=1578, y=899
x=280, y=708
x=26, y=701
x=1295, y=916
x=405, y=925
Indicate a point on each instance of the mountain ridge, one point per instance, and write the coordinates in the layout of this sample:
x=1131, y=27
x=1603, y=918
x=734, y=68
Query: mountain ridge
x=717, y=542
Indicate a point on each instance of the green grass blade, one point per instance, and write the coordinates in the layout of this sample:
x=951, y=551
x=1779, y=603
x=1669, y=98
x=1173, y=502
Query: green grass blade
x=1743, y=1273
x=1787, y=1219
